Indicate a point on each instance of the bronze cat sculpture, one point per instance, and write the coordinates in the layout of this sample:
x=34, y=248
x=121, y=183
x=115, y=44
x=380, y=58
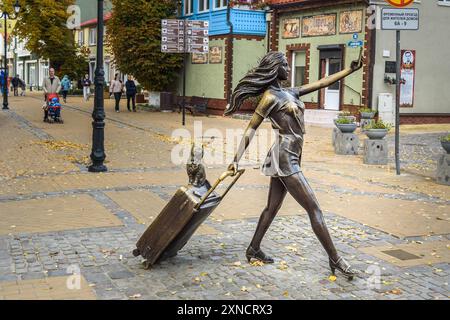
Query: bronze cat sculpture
x=195, y=168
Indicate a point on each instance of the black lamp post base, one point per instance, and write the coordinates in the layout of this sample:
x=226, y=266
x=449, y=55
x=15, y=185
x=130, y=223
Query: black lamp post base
x=97, y=168
x=5, y=108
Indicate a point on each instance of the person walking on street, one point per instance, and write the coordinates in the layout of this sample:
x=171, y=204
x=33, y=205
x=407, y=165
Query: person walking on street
x=51, y=84
x=3, y=87
x=65, y=87
x=22, y=87
x=86, y=87
x=15, y=83
x=116, y=88
x=131, y=93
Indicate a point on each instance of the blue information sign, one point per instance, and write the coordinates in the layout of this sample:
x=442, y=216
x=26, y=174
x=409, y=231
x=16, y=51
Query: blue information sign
x=355, y=44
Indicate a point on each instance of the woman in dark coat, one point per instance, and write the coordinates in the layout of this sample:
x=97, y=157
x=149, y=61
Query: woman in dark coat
x=286, y=112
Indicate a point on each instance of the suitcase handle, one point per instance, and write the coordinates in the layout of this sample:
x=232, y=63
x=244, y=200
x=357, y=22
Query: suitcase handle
x=224, y=175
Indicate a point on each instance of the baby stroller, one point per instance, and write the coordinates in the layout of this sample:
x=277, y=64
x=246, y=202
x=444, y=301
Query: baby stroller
x=54, y=108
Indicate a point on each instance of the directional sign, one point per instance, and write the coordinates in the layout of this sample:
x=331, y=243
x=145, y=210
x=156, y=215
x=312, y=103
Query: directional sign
x=197, y=36
x=172, y=36
x=400, y=19
x=355, y=44
x=179, y=36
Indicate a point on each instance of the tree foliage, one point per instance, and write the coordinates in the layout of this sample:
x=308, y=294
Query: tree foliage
x=43, y=23
x=134, y=36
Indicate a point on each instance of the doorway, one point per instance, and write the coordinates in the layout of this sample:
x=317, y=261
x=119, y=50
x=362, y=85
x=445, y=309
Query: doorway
x=331, y=61
x=333, y=92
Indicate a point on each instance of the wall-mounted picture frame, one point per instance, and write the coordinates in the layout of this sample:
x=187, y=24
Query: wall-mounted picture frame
x=215, y=55
x=291, y=28
x=350, y=21
x=319, y=25
x=199, y=58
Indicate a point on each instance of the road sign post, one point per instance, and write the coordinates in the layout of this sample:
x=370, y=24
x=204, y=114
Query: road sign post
x=399, y=19
x=184, y=36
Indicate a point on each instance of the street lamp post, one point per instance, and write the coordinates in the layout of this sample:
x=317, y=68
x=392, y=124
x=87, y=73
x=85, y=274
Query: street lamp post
x=98, y=115
x=5, y=15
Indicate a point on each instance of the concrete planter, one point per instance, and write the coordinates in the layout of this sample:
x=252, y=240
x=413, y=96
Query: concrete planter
x=376, y=134
x=346, y=128
x=446, y=146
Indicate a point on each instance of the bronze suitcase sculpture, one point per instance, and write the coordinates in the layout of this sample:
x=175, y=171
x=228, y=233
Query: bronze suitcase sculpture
x=180, y=218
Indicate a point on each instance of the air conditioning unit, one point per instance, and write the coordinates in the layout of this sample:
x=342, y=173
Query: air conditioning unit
x=386, y=110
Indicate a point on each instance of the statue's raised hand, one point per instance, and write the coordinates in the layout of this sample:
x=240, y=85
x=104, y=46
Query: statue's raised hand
x=357, y=64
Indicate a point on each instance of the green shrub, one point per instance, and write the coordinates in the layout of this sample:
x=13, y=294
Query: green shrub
x=379, y=125
x=344, y=121
x=445, y=138
x=366, y=110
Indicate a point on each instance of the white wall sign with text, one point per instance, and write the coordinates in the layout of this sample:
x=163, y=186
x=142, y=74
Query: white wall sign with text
x=400, y=19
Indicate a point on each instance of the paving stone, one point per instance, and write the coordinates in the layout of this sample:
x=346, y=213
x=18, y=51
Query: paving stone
x=120, y=274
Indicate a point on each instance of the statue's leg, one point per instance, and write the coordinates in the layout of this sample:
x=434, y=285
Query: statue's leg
x=301, y=191
x=277, y=192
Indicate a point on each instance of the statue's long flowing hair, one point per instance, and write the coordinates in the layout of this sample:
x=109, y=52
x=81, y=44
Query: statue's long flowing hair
x=256, y=81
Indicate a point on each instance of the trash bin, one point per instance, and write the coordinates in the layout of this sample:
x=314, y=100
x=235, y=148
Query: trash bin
x=167, y=99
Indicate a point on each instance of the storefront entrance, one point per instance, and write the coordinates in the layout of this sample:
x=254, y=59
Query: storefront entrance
x=330, y=63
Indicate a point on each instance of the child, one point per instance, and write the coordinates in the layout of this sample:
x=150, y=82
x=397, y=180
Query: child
x=55, y=106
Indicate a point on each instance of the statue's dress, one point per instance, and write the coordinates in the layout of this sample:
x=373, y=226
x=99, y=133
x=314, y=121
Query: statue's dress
x=286, y=112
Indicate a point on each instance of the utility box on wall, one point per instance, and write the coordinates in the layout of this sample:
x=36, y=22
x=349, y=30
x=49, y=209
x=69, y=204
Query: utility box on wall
x=386, y=111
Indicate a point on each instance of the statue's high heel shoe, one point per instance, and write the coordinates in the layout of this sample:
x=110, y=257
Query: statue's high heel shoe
x=344, y=267
x=257, y=255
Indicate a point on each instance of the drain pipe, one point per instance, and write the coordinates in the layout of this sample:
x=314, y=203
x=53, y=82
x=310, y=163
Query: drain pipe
x=229, y=57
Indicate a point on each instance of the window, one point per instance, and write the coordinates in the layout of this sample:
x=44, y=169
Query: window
x=80, y=38
x=92, y=36
x=203, y=5
x=444, y=3
x=299, y=68
x=106, y=67
x=92, y=67
x=219, y=4
x=188, y=7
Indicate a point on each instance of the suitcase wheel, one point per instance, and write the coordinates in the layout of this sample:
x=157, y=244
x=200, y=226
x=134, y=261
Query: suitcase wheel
x=136, y=252
x=147, y=265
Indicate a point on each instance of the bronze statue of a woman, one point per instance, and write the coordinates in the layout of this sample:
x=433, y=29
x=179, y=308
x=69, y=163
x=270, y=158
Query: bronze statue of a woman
x=286, y=113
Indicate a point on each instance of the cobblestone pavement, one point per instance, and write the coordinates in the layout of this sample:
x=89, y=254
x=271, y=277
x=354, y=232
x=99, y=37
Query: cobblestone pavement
x=57, y=221
x=419, y=152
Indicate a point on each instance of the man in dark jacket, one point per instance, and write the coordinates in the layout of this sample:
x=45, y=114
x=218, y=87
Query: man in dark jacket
x=15, y=83
x=130, y=86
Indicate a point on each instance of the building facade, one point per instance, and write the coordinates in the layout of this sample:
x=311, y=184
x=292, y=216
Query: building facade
x=237, y=40
x=321, y=38
x=425, y=96
x=86, y=37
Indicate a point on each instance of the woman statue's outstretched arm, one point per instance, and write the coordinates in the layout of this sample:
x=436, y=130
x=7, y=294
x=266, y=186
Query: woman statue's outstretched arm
x=326, y=82
x=249, y=133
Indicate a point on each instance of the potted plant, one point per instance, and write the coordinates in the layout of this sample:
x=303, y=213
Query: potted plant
x=346, y=125
x=445, y=142
x=367, y=113
x=377, y=130
x=346, y=115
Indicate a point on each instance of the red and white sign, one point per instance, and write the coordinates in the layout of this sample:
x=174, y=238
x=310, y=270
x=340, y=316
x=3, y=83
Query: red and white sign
x=400, y=3
x=408, y=74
